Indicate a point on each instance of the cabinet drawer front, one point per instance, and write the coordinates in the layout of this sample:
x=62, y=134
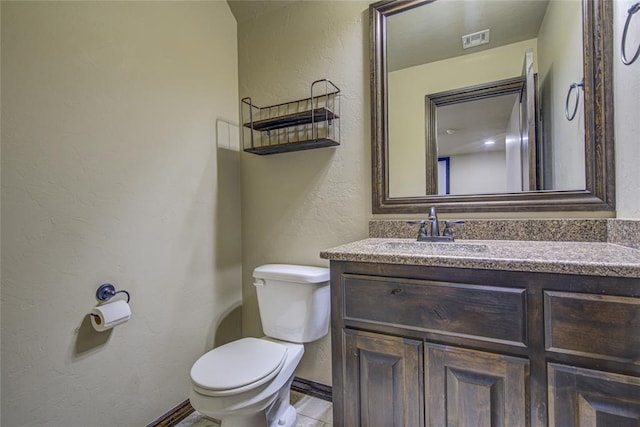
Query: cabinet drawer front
x=598, y=326
x=481, y=312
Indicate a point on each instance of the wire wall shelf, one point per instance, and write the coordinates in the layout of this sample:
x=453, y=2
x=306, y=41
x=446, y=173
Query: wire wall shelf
x=304, y=124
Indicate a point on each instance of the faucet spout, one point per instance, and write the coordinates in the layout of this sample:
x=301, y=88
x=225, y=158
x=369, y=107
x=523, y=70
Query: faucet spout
x=433, y=217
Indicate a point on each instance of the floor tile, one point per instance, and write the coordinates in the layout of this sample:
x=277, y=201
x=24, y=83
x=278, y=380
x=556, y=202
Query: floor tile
x=197, y=420
x=312, y=412
x=295, y=396
x=303, y=421
x=315, y=408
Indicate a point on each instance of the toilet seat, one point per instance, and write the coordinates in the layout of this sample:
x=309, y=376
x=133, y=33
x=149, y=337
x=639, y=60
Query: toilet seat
x=237, y=367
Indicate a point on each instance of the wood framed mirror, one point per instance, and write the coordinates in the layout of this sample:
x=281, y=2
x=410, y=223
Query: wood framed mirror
x=593, y=191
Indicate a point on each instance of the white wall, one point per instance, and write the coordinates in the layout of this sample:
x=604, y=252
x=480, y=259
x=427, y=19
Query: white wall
x=110, y=173
x=478, y=173
x=407, y=91
x=627, y=116
x=513, y=150
x=296, y=204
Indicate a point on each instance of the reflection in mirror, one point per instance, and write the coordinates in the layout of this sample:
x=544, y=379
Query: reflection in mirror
x=425, y=85
x=515, y=30
x=481, y=150
x=480, y=136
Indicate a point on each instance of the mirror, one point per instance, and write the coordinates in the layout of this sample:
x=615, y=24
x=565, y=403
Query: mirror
x=435, y=104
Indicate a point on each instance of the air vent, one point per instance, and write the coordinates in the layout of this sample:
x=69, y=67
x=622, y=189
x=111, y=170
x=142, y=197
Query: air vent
x=475, y=39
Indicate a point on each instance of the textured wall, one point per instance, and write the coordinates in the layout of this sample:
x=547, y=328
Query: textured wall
x=110, y=173
x=627, y=115
x=296, y=204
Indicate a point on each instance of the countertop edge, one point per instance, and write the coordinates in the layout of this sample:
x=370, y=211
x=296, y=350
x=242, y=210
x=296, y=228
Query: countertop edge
x=363, y=251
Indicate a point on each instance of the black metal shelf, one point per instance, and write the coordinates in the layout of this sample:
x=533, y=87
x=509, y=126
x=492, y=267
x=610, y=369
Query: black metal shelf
x=293, y=126
x=293, y=146
x=294, y=119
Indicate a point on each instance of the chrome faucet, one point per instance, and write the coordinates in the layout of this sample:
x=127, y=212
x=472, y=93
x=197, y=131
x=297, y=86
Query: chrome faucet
x=447, y=233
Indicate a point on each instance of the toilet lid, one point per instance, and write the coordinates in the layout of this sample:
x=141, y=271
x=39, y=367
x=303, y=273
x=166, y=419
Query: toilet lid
x=238, y=364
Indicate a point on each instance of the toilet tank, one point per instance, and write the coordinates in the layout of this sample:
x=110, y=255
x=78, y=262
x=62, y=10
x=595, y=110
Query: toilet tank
x=294, y=301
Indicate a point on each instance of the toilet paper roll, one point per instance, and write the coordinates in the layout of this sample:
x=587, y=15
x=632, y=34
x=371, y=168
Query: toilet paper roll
x=108, y=315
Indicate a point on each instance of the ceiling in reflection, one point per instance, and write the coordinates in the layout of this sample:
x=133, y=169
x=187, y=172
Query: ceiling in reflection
x=464, y=128
x=434, y=32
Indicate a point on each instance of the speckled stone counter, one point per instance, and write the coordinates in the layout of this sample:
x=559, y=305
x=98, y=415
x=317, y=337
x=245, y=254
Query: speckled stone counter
x=559, y=230
x=585, y=258
x=624, y=232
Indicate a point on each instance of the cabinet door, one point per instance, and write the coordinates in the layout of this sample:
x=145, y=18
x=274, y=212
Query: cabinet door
x=587, y=398
x=383, y=381
x=473, y=388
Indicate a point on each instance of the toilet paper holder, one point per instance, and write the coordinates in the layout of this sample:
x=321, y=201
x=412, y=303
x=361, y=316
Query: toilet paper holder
x=106, y=291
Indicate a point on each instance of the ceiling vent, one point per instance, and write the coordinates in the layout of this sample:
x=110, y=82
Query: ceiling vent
x=475, y=39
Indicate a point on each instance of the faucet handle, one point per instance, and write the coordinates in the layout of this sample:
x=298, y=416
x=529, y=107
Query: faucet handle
x=448, y=225
x=422, y=232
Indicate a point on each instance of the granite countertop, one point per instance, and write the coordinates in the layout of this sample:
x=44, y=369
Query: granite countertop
x=587, y=258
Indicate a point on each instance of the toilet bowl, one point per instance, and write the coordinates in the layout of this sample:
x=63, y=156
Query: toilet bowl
x=246, y=383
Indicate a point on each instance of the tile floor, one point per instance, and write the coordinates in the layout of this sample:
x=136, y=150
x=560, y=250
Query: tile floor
x=312, y=412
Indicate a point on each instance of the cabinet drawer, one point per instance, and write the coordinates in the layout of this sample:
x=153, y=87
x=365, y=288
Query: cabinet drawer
x=598, y=326
x=486, y=313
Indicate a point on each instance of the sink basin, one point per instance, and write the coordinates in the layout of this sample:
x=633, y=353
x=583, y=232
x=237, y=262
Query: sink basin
x=434, y=247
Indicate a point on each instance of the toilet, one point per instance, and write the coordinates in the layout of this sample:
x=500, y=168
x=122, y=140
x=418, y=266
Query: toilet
x=246, y=383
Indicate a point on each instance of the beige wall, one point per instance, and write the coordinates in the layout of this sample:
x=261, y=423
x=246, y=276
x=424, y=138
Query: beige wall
x=560, y=65
x=110, y=173
x=296, y=204
x=407, y=91
x=627, y=117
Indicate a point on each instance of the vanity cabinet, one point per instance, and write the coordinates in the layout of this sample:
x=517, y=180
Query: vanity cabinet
x=438, y=346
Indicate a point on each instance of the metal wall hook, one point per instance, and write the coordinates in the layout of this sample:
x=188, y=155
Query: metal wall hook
x=632, y=10
x=106, y=291
x=577, y=86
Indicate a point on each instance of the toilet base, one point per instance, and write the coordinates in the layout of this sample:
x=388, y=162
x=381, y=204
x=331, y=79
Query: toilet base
x=268, y=405
x=282, y=413
x=288, y=419
x=257, y=420
x=278, y=413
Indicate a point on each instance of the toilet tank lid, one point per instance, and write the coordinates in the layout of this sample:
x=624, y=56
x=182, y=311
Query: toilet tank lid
x=292, y=273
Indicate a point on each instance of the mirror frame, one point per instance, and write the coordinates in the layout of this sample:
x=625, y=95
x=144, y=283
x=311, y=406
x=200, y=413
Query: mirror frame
x=599, y=195
x=457, y=96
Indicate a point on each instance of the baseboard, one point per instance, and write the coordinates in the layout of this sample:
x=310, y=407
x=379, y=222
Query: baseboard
x=312, y=388
x=184, y=409
x=174, y=416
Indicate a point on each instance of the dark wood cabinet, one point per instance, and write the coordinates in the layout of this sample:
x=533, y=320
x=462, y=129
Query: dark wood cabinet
x=473, y=388
x=588, y=398
x=383, y=379
x=433, y=346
